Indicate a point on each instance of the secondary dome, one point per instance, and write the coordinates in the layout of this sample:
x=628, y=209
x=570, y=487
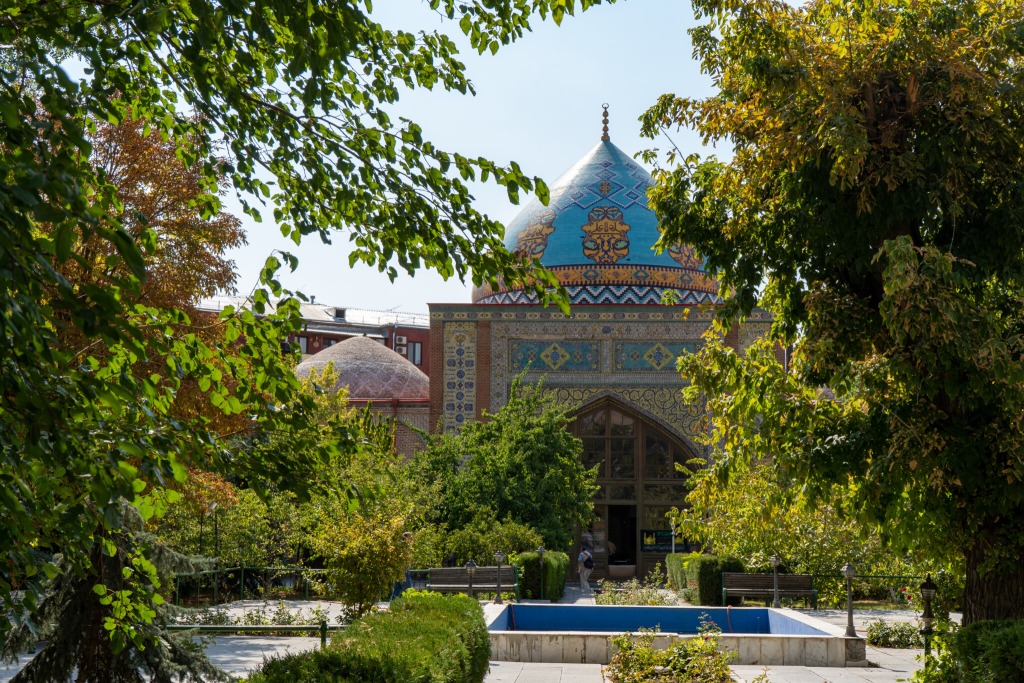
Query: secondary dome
x=597, y=236
x=372, y=371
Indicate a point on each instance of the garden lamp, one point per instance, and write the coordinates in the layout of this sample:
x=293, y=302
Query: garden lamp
x=928, y=589
x=499, y=557
x=540, y=553
x=849, y=572
x=470, y=571
x=776, y=561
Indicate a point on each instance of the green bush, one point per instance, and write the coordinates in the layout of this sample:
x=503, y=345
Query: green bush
x=556, y=568
x=676, y=571
x=479, y=540
x=704, y=576
x=424, y=638
x=634, y=591
x=983, y=652
x=695, y=660
x=903, y=634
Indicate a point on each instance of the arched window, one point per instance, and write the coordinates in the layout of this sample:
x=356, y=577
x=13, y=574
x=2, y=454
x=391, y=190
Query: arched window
x=638, y=480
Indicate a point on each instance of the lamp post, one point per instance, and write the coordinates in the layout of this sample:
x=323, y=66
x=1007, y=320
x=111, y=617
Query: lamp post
x=216, y=531
x=776, y=561
x=928, y=589
x=672, y=526
x=849, y=572
x=471, y=570
x=499, y=557
x=540, y=553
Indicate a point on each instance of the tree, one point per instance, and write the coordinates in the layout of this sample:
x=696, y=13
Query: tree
x=297, y=98
x=873, y=203
x=364, y=555
x=520, y=463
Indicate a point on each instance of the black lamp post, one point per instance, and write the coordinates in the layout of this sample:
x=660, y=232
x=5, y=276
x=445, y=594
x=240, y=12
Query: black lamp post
x=216, y=531
x=928, y=589
x=499, y=557
x=540, y=553
x=470, y=571
x=776, y=561
x=849, y=572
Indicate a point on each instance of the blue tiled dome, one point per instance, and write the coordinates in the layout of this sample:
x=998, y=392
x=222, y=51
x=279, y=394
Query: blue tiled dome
x=596, y=235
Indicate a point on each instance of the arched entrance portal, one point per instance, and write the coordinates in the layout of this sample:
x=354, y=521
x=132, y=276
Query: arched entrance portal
x=638, y=483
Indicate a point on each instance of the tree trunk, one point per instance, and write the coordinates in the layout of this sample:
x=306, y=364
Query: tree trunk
x=996, y=594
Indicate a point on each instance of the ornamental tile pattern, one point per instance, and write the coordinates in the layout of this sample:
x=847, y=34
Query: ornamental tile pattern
x=459, y=376
x=599, y=236
x=549, y=356
x=633, y=349
x=649, y=356
x=606, y=295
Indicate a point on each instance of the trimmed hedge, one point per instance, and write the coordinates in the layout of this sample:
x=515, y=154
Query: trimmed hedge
x=700, y=576
x=556, y=568
x=676, y=571
x=983, y=652
x=424, y=638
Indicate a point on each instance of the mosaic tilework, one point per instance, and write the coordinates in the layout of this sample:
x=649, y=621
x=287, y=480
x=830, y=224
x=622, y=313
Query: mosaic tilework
x=649, y=355
x=757, y=325
x=547, y=356
x=590, y=280
x=607, y=295
x=597, y=232
x=653, y=388
x=693, y=321
x=459, y=375
x=663, y=405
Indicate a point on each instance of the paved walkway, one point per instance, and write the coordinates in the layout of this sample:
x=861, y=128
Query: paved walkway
x=241, y=654
x=891, y=666
x=887, y=665
x=235, y=654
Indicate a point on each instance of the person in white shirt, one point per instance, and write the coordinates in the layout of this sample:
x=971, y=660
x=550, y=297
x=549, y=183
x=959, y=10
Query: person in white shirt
x=584, y=565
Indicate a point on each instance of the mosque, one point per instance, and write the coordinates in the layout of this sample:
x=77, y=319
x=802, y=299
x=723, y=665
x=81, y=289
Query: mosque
x=612, y=359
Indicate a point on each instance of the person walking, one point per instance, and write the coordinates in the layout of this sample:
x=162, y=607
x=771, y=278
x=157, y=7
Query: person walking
x=584, y=565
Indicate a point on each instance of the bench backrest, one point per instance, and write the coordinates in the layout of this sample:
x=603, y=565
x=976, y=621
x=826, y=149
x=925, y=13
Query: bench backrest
x=793, y=582
x=482, y=576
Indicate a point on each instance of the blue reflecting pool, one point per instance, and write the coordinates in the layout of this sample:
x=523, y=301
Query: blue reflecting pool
x=620, y=619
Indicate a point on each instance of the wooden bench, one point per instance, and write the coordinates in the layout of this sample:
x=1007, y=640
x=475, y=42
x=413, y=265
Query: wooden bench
x=456, y=579
x=763, y=586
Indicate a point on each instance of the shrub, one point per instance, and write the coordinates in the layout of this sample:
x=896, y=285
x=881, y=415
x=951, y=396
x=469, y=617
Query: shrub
x=704, y=576
x=983, y=652
x=676, y=571
x=556, y=568
x=479, y=540
x=695, y=660
x=902, y=634
x=364, y=555
x=633, y=592
x=425, y=638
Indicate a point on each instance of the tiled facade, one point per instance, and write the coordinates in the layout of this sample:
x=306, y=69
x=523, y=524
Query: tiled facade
x=611, y=362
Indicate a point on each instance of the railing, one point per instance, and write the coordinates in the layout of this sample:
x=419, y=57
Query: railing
x=304, y=572
x=323, y=627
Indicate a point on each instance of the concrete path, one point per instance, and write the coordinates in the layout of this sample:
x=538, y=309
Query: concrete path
x=891, y=666
x=235, y=654
x=888, y=665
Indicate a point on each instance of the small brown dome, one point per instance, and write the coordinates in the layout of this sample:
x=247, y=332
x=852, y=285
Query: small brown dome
x=371, y=371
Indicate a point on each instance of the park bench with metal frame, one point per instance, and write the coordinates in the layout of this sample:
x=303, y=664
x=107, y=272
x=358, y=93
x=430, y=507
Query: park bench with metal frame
x=737, y=584
x=457, y=580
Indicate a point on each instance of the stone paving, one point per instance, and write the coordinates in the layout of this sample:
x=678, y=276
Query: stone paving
x=887, y=665
x=241, y=654
x=235, y=654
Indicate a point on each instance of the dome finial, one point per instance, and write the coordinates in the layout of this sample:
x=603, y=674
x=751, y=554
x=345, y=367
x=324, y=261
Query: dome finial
x=604, y=136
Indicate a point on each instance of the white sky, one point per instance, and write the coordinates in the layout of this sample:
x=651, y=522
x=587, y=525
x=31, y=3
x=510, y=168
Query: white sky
x=538, y=102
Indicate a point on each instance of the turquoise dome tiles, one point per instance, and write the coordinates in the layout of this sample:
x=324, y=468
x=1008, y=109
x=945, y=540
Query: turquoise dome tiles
x=596, y=234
